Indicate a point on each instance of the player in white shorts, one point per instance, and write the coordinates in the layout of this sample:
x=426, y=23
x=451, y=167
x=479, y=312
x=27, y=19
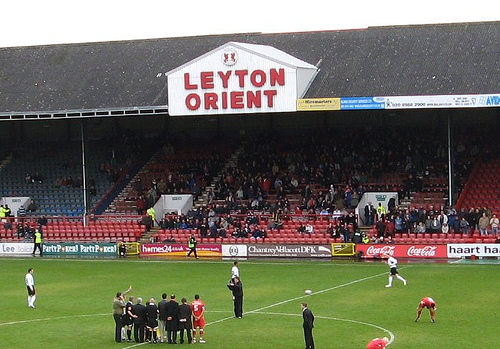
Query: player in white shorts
x=393, y=264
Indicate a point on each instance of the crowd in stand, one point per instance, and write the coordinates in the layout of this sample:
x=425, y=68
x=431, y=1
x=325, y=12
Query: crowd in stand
x=219, y=222
x=320, y=173
x=184, y=171
x=208, y=223
x=327, y=174
x=442, y=220
x=326, y=171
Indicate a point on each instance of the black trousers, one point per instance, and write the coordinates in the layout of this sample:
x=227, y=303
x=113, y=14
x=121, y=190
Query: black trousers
x=171, y=326
x=39, y=246
x=118, y=327
x=191, y=251
x=238, y=306
x=139, y=331
x=189, y=336
x=308, y=336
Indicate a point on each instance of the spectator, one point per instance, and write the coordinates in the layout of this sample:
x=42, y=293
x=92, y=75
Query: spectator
x=331, y=231
x=32, y=207
x=381, y=230
x=369, y=214
x=20, y=231
x=21, y=213
x=309, y=229
x=464, y=226
x=204, y=228
x=399, y=223
x=141, y=205
x=42, y=221
x=257, y=233
x=483, y=224
x=223, y=227
x=343, y=232
x=420, y=228
x=494, y=224
x=435, y=225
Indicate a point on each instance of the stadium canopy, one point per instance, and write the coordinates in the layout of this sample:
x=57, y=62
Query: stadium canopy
x=377, y=66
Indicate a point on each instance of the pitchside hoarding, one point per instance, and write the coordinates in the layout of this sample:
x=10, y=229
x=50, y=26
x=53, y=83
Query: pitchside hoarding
x=178, y=250
x=87, y=249
x=307, y=251
x=16, y=248
x=236, y=250
x=62, y=249
x=478, y=250
x=403, y=251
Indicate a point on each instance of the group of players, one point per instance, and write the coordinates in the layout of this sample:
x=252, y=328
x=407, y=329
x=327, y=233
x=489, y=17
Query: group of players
x=426, y=302
x=167, y=317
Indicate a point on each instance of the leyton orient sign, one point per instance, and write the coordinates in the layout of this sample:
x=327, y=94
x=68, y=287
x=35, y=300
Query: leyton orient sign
x=238, y=78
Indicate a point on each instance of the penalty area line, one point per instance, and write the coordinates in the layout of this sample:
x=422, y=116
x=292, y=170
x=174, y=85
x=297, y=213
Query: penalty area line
x=391, y=335
x=318, y=292
x=48, y=319
x=300, y=297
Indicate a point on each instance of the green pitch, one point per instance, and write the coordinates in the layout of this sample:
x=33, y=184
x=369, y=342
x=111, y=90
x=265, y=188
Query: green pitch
x=349, y=300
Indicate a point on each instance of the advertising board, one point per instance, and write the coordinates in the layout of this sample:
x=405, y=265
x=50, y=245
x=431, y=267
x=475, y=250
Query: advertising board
x=89, y=249
x=307, y=251
x=236, y=250
x=403, y=251
x=478, y=250
x=178, y=250
x=16, y=248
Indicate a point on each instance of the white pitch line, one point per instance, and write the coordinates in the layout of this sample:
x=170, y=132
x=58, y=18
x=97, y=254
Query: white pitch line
x=317, y=292
x=231, y=317
x=295, y=299
x=391, y=335
x=300, y=297
x=48, y=319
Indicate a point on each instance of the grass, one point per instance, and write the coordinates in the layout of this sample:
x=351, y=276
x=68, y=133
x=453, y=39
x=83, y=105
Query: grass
x=349, y=300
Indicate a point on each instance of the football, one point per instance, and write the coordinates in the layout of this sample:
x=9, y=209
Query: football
x=308, y=292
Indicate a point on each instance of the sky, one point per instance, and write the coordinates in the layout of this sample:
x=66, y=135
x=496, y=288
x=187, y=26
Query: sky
x=36, y=22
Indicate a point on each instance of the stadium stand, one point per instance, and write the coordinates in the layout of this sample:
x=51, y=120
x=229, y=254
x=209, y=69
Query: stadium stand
x=71, y=229
x=186, y=168
x=278, y=159
x=213, y=157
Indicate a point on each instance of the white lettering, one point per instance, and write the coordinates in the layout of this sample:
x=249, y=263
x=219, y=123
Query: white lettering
x=373, y=250
x=427, y=251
